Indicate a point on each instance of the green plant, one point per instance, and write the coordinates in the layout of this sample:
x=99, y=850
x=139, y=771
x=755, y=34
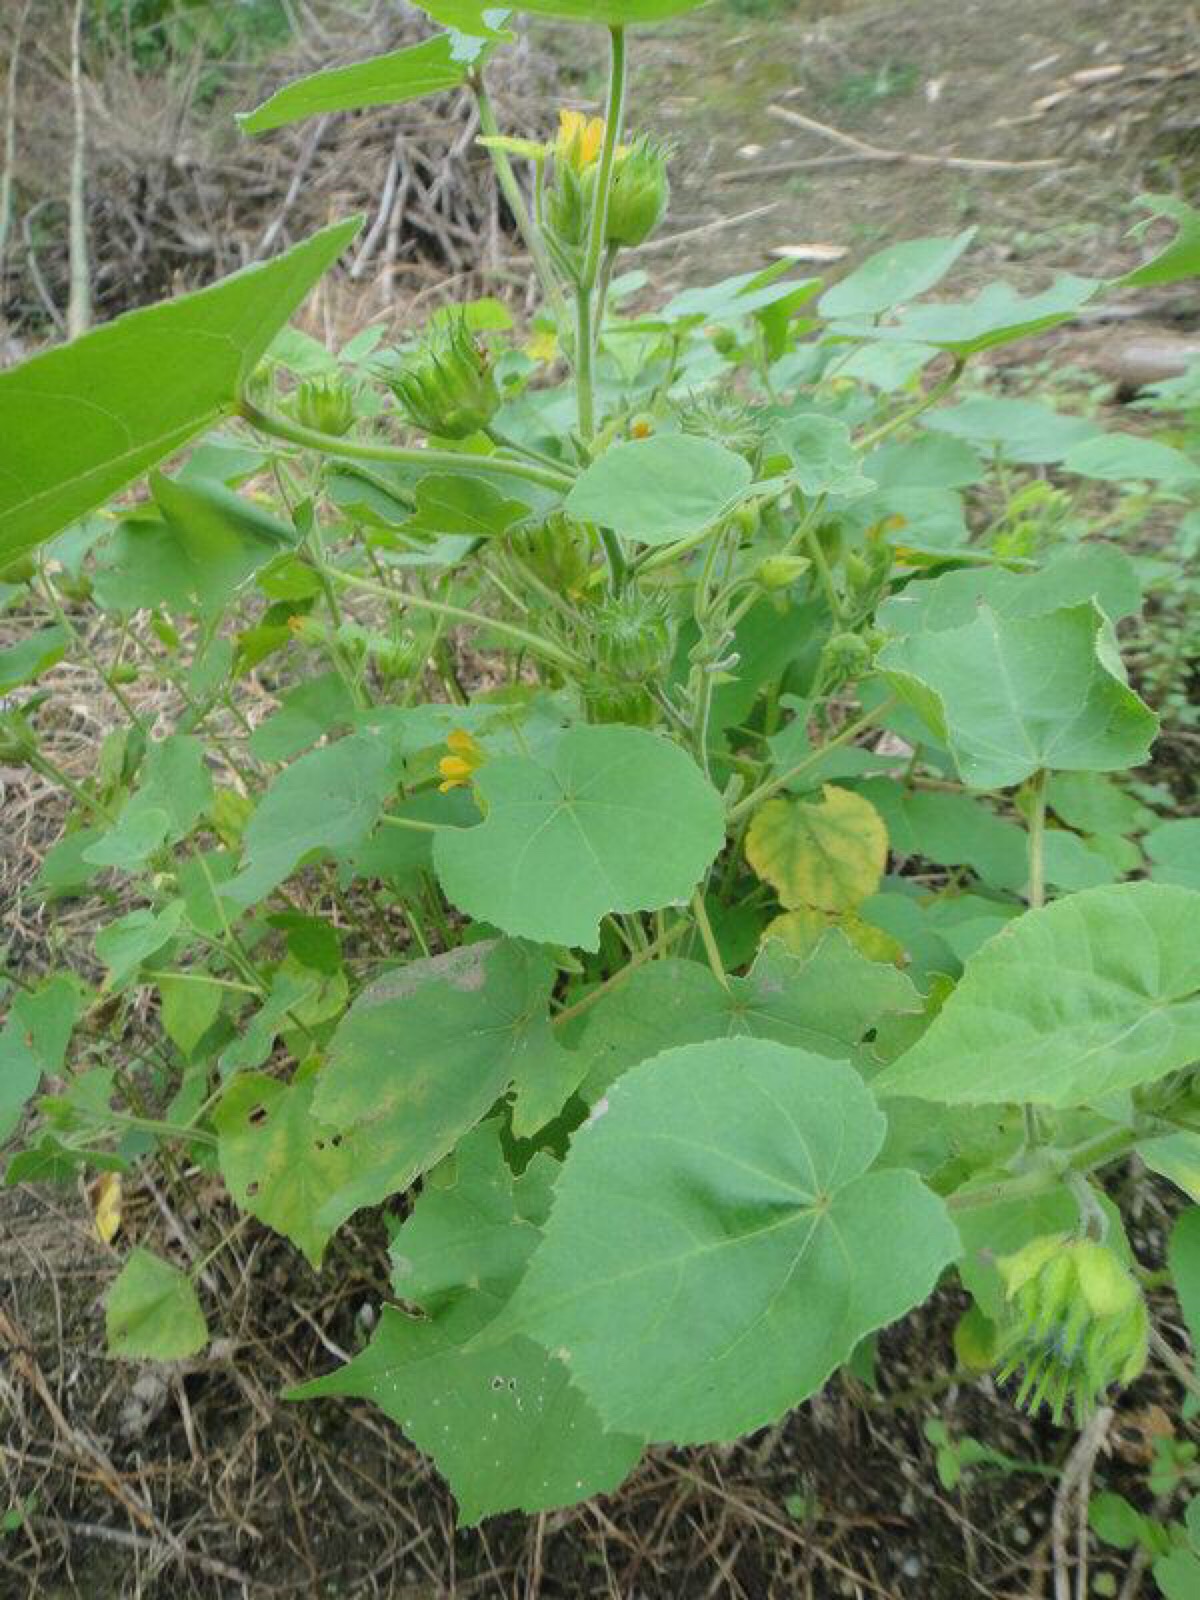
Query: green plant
x=601, y=966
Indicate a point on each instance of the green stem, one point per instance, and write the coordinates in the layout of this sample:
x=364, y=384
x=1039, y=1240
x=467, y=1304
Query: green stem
x=585, y=298
x=511, y=191
x=903, y=418
x=1084, y=1158
x=711, y=950
x=654, y=948
x=418, y=826
x=1037, y=899
x=813, y=759
x=432, y=460
x=531, y=641
x=585, y=396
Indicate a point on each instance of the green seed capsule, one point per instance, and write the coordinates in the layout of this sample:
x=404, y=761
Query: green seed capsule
x=447, y=386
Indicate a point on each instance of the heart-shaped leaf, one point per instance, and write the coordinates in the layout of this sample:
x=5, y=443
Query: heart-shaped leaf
x=660, y=489
x=152, y=1313
x=746, y=1245
x=1010, y=695
x=828, y=854
x=611, y=819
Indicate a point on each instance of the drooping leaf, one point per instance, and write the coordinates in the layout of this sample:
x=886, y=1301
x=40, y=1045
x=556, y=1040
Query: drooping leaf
x=612, y=819
x=33, y=1042
x=823, y=1003
x=430, y=67
x=456, y=504
x=29, y=658
x=828, y=854
x=894, y=275
x=1010, y=695
x=190, y=1006
x=152, y=1313
x=329, y=799
x=124, y=944
x=422, y=1055
x=1096, y=993
x=746, y=1246
x=660, y=489
x=83, y=419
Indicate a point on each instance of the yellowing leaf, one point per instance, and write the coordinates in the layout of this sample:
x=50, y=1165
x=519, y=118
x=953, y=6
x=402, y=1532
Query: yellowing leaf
x=828, y=856
x=801, y=931
x=106, y=1206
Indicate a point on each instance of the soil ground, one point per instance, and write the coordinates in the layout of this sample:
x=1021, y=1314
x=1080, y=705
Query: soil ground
x=199, y=1480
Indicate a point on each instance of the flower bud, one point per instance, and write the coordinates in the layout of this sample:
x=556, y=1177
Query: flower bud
x=324, y=404
x=780, y=572
x=845, y=657
x=629, y=703
x=1077, y=1323
x=637, y=201
x=558, y=551
x=448, y=387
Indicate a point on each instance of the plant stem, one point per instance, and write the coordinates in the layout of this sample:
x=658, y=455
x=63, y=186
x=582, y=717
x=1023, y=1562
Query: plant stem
x=654, y=948
x=931, y=398
x=418, y=826
x=848, y=734
x=700, y=912
x=432, y=460
x=532, y=641
x=586, y=318
x=1084, y=1158
x=511, y=191
x=1037, y=899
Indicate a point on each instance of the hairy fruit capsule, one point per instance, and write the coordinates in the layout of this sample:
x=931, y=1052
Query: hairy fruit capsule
x=447, y=386
x=324, y=404
x=640, y=192
x=1077, y=1323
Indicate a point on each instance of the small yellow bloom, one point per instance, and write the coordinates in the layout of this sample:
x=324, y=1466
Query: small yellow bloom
x=106, y=1206
x=580, y=139
x=459, y=767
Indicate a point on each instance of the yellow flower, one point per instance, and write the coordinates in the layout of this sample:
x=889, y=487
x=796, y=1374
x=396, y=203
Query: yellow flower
x=458, y=768
x=580, y=139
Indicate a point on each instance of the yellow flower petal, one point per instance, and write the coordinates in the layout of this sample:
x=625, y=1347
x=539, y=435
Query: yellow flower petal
x=106, y=1206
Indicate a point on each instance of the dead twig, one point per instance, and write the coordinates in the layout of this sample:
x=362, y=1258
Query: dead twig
x=1073, y=1486
x=872, y=152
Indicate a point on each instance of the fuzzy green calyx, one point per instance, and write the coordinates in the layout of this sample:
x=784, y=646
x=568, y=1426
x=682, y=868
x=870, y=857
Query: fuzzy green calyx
x=634, y=634
x=324, y=404
x=447, y=386
x=640, y=192
x=1077, y=1323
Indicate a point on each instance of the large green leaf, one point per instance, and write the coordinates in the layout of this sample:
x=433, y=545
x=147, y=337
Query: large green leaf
x=1122, y=457
x=152, y=1313
x=612, y=13
x=1096, y=993
x=33, y=1042
x=503, y=1424
x=998, y=314
x=824, y=1003
x=612, y=819
x=1010, y=695
x=30, y=657
x=1184, y=1256
x=452, y=503
x=84, y=419
x=660, y=489
x=329, y=799
x=894, y=275
x=423, y=1054
x=442, y=62
x=824, y=459
x=718, y=1244
x=1099, y=572
x=1018, y=430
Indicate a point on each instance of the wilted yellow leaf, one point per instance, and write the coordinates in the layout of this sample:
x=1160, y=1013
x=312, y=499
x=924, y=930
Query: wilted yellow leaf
x=825, y=856
x=801, y=931
x=106, y=1206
